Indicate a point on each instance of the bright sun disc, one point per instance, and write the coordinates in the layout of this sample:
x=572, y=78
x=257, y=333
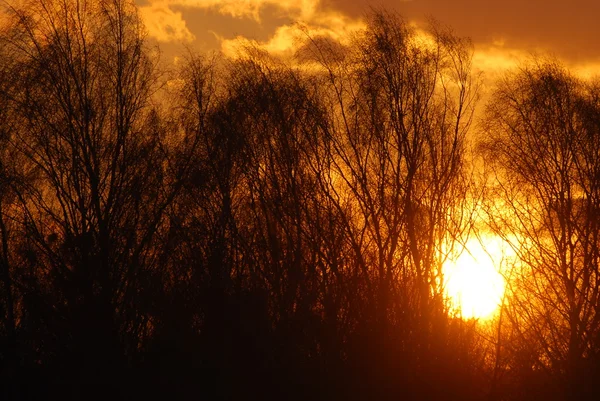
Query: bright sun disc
x=473, y=283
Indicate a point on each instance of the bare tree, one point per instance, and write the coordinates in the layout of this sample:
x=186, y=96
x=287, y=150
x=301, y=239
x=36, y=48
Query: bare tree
x=84, y=118
x=543, y=125
x=401, y=103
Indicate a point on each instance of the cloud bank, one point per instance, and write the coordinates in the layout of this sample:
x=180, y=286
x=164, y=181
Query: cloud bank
x=499, y=29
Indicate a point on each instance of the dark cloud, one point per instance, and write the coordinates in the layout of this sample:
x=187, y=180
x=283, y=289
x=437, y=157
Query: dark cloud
x=205, y=24
x=567, y=28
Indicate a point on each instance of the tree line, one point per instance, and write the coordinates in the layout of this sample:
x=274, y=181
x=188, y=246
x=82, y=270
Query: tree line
x=251, y=229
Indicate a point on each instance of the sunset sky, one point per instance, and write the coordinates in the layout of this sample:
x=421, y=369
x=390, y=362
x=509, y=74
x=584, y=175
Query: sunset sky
x=502, y=31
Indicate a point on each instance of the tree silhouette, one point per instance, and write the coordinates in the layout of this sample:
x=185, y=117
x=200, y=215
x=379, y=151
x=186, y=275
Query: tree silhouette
x=256, y=227
x=401, y=104
x=543, y=125
x=84, y=79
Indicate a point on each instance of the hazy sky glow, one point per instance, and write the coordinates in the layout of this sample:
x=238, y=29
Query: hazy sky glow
x=501, y=30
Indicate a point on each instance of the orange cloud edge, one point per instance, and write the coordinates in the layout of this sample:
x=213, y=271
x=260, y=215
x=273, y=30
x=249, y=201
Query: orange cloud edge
x=167, y=25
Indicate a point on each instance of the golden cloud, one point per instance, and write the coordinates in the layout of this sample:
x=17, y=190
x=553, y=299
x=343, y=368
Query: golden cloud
x=287, y=39
x=296, y=9
x=496, y=59
x=317, y=21
x=589, y=70
x=164, y=24
x=303, y=9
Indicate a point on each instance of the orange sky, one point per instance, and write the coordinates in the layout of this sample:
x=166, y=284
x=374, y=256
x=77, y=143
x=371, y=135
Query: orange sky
x=502, y=31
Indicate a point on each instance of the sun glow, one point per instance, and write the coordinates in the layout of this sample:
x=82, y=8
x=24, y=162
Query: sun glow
x=474, y=284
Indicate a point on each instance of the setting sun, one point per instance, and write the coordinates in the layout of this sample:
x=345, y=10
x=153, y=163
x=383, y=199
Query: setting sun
x=473, y=282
